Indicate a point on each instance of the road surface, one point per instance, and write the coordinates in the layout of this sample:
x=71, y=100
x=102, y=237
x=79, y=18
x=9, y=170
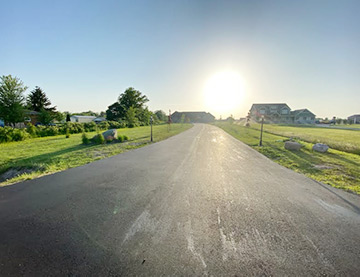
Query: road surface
x=199, y=203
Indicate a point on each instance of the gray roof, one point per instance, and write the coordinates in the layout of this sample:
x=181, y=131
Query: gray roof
x=301, y=111
x=84, y=116
x=270, y=104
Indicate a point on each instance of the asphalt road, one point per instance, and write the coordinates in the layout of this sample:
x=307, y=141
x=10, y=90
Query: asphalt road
x=199, y=203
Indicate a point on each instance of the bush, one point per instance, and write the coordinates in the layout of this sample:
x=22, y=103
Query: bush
x=8, y=134
x=90, y=126
x=122, y=138
x=116, y=125
x=19, y=135
x=104, y=125
x=98, y=139
x=4, y=134
x=52, y=131
x=31, y=129
x=85, y=139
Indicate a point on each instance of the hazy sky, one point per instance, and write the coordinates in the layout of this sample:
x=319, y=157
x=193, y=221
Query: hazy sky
x=85, y=53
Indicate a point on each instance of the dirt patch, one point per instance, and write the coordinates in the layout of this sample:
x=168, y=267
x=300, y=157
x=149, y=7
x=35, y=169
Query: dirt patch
x=15, y=172
x=323, y=166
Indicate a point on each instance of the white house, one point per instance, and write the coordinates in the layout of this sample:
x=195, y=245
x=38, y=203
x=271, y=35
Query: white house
x=82, y=118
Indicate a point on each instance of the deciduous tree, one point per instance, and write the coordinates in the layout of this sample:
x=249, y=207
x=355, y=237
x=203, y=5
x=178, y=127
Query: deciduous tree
x=12, y=99
x=130, y=98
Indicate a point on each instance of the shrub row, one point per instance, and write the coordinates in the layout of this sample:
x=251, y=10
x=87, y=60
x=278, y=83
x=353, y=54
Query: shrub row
x=8, y=134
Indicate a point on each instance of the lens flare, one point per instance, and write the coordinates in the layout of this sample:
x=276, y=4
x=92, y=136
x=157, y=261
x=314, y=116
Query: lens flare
x=224, y=91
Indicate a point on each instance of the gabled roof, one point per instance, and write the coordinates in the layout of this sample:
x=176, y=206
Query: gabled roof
x=355, y=115
x=84, y=116
x=296, y=112
x=278, y=105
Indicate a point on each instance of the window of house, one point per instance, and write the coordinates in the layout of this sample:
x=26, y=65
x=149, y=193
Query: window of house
x=262, y=111
x=284, y=111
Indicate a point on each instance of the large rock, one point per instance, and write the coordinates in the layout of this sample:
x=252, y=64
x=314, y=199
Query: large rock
x=110, y=134
x=292, y=145
x=319, y=147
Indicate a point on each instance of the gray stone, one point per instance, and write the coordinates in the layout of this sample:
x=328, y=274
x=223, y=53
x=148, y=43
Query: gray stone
x=319, y=147
x=110, y=134
x=292, y=145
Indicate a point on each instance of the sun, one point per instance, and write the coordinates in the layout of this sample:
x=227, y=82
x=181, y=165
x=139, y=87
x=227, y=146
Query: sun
x=223, y=92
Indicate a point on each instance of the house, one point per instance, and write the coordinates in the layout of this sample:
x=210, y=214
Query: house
x=354, y=119
x=281, y=113
x=303, y=116
x=32, y=117
x=82, y=118
x=194, y=117
x=275, y=112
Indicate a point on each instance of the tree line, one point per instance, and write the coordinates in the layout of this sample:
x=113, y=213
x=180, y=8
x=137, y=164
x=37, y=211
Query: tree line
x=130, y=108
x=14, y=105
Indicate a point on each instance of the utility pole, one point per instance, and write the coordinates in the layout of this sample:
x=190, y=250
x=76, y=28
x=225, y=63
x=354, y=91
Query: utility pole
x=261, y=133
x=169, y=121
x=151, y=133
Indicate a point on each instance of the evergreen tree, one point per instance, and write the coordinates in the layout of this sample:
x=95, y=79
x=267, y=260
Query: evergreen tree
x=37, y=100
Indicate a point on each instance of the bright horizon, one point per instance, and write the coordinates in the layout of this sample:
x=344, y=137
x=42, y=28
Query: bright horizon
x=181, y=54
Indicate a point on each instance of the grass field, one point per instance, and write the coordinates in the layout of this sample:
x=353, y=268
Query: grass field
x=34, y=157
x=337, y=168
x=343, y=140
x=352, y=126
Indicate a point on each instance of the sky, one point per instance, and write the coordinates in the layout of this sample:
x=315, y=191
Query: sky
x=84, y=54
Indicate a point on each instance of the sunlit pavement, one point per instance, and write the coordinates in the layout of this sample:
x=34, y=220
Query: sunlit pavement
x=200, y=203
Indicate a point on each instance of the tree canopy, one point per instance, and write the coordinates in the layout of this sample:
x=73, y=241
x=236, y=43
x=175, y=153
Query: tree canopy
x=11, y=99
x=161, y=115
x=131, y=98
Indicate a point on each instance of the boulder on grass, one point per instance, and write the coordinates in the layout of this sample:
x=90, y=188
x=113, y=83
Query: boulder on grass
x=292, y=145
x=319, y=147
x=110, y=135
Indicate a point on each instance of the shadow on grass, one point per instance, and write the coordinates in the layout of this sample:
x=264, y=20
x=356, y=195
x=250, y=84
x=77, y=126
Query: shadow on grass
x=338, y=157
x=29, y=162
x=144, y=137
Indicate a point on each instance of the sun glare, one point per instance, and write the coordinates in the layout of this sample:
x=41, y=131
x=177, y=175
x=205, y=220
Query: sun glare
x=224, y=92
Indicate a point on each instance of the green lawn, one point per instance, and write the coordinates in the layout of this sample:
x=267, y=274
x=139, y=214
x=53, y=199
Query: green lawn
x=337, y=168
x=343, y=140
x=350, y=126
x=39, y=156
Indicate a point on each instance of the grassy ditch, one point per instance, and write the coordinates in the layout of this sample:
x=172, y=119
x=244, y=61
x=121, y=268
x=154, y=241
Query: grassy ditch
x=337, y=168
x=34, y=157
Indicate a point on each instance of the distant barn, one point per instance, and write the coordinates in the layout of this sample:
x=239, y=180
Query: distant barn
x=354, y=119
x=192, y=117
